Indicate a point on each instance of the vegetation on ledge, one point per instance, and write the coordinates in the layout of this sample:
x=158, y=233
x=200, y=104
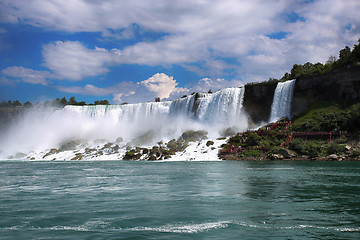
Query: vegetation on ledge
x=329, y=116
x=347, y=59
x=278, y=141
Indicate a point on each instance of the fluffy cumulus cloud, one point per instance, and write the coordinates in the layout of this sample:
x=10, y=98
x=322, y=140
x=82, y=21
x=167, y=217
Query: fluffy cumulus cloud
x=248, y=40
x=206, y=84
x=161, y=84
x=199, y=32
x=73, y=61
x=26, y=75
x=88, y=89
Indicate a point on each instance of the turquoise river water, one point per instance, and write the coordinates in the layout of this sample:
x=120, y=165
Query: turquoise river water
x=179, y=200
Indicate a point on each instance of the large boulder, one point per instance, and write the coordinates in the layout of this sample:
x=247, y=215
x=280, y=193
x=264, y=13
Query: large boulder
x=70, y=145
x=286, y=153
x=194, y=136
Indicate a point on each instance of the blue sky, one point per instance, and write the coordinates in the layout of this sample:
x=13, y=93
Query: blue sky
x=134, y=51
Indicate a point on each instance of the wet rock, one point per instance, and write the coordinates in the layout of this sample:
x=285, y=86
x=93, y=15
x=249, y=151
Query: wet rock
x=70, y=145
x=89, y=150
x=77, y=157
x=177, y=145
x=209, y=143
x=53, y=151
x=107, y=145
x=20, y=155
x=333, y=157
x=152, y=158
x=132, y=155
x=286, y=153
x=276, y=156
x=347, y=148
x=115, y=149
x=194, y=136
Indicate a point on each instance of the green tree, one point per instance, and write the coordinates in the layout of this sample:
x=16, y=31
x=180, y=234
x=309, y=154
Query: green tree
x=63, y=101
x=27, y=104
x=253, y=139
x=17, y=103
x=345, y=54
x=331, y=60
x=72, y=101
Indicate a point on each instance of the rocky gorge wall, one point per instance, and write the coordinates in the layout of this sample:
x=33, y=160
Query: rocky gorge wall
x=338, y=84
x=258, y=99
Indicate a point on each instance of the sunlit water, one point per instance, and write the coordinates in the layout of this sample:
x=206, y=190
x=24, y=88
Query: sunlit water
x=179, y=200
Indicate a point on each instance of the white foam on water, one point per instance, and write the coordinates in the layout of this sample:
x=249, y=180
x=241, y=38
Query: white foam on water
x=184, y=228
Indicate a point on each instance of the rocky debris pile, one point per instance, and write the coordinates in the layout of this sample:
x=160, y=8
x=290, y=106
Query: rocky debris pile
x=165, y=151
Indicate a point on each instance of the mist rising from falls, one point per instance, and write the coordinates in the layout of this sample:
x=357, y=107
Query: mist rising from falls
x=43, y=128
x=281, y=106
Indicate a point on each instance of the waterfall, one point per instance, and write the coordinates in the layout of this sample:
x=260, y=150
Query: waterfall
x=43, y=128
x=281, y=106
x=222, y=107
x=128, y=112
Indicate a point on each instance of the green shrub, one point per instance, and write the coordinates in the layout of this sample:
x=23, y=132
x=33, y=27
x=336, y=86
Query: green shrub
x=334, y=148
x=355, y=153
x=297, y=145
x=236, y=140
x=253, y=139
x=314, y=148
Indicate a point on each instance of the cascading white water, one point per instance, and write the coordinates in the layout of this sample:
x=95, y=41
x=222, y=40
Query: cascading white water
x=128, y=112
x=281, y=105
x=42, y=129
x=221, y=108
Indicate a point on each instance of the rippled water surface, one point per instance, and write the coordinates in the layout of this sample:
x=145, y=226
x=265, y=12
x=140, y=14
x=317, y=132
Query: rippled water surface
x=179, y=200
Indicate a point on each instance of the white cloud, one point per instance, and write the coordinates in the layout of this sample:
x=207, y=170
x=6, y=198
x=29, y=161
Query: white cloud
x=7, y=82
x=206, y=84
x=161, y=84
x=88, y=89
x=200, y=32
x=27, y=75
x=117, y=98
x=73, y=61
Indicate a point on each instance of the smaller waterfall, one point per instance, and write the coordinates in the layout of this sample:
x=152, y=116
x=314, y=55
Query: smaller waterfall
x=281, y=106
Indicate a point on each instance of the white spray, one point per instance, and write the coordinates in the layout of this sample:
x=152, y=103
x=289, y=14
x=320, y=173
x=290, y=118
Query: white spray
x=43, y=128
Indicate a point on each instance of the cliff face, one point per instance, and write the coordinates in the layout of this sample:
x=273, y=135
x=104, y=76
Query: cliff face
x=338, y=84
x=258, y=99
